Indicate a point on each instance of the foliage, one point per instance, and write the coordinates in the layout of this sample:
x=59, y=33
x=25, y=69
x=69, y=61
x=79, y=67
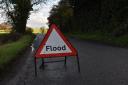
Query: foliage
x=29, y=30
x=11, y=37
x=42, y=29
x=61, y=15
x=107, y=16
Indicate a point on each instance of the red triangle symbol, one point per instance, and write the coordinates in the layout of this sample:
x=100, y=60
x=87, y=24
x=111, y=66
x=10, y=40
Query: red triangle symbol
x=55, y=44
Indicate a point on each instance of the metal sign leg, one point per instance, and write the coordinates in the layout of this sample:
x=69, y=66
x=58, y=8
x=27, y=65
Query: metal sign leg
x=78, y=63
x=35, y=67
x=42, y=65
x=65, y=62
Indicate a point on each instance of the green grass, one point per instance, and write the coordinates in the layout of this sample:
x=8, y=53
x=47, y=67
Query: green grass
x=10, y=51
x=3, y=34
x=103, y=38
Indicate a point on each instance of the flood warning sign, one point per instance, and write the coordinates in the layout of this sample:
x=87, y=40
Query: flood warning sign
x=55, y=44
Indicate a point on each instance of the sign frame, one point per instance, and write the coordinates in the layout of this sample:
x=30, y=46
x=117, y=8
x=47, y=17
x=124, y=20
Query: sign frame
x=37, y=52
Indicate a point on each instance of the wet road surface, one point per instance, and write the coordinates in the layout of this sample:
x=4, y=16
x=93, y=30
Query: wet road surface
x=100, y=65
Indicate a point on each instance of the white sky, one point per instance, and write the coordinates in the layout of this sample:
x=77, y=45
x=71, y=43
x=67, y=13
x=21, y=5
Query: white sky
x=39, y=18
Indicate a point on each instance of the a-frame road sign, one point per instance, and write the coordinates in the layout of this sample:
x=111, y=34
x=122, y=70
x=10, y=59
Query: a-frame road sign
x=55, y=44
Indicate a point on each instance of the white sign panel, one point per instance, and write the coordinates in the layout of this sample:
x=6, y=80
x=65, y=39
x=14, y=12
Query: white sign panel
x=55, y=44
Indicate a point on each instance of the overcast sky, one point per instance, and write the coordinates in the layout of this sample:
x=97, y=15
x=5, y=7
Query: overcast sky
x=39, y=18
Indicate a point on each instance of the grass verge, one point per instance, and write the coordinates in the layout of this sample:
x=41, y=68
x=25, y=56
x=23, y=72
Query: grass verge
x=10, y=51
x=102, y=38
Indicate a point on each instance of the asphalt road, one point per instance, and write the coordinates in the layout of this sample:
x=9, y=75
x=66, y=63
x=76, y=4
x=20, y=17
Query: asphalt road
x=100, y=65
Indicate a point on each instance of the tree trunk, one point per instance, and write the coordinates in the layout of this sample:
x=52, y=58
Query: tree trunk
x=21, y=21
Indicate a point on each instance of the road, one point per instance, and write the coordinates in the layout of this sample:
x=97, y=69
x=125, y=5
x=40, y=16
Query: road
x=100, y=65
